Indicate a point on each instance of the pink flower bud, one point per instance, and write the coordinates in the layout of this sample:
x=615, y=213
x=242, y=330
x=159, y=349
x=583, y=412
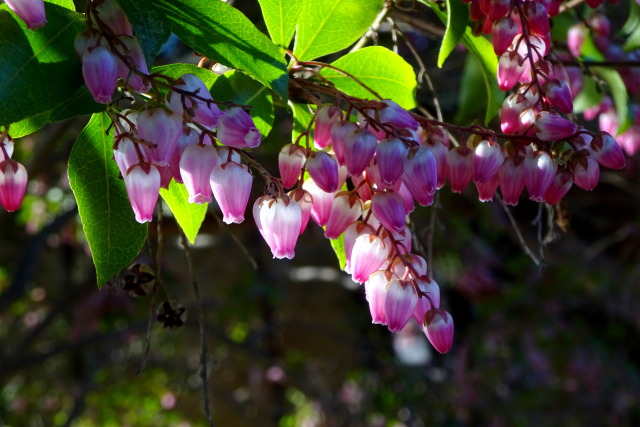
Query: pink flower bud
x=278, y=221
x=459, y=168
x=439, y=149
x=511, y=177
x=586, y=173
x=432, y=290
x=607, y=152
x=353, y=231
x=600, y=24
x=359, y=148
x=202, y=109
x=115, y=18
x=143, y=184
x=438, y=327
x=390, y=156
x=305, y=201
x=400, y=299
x=367, y=255
x=326, y=116
x=339, y=131
x=30, y=11
x=487, y=189
x=510, y=112
x=576, y=80
x=323, y=169
x=346, y=208
x=550, y=127
x=125, y=155
x=375, y=291
x=389, y=208
x=136, y=60
x=540, y=170
x=527, y=122
x=189, y=136
x=396, y=116
x=504, y=30
x=290, y=162
x=100, y=72
x=420, y=175
x=487, y=159
x=630, y=140
x=498, y=9
x=322, y=202
x=509, y=70
x=559, y=96
x=13, y=184
x=196, y=164
x=560, y=185
x=575, y=39
x=162, y=129
x=537, y=17
x=231, y=185
x=236, y=129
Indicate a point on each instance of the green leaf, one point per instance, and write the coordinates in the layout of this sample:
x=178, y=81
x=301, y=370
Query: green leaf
x=114, y=236
x=281, y=17
x=223, y=34
x=619, y=94
x=633, y=20
x=240, y=89
x=326, y=26
x=589, y=96
x=338, y=248
x=471, y=90
x=301, y=119
x=38, y=69
x=150, y=27
x=68, y=4
x=380, y=69
x=457, y=18
x=188, y=215
x=208, y=77
x=633, y=41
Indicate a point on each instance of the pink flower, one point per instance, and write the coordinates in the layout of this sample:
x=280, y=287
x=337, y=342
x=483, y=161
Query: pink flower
x=438, y=327
x=425, y=304
x=202, y=109
x=353, y=231
x=339, y=131
x=163, y=130
x=487, y=190
x=509, y=69
x=323, y=169
x=143, y=184
x=459, y=168
x=305, y=201
x=115, y=18
x=389, y=208
x=400, y=300
x=30, y=11
x=559, y=95
x=279, y=223
x=13, y=184
x=231, y=185
x=346, y=208
x=559, y=186
x=607, y=151
x=575, y=39
x=487, y=159
x=586, y=173
x=421, y=175
x=290, y=162
x=133, y=51
x=550, y=127
x=236, y=129
x=322, y=202
x=390, y=156
x=375, y=289
x=367, y=255
x=396, y=116
x=540, y=170
x=196, y=164
x=359, y=148
x=511, y=177
x=100, y=72
x=504, y=30
x=326, y=116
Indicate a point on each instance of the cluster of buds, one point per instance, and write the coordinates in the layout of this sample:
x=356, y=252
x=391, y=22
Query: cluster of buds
x=30, y=11
x=190, y=140
x=109, y=51
x=13, y=176
x=364, y=178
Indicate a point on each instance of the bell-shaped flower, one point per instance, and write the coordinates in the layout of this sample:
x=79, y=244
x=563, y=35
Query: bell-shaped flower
x=421, y=175
x=326, y=116
x=375, y=291
x=196, y=163
x=359, y=148
x=162, y=130
x=125, y=155
x=459, y=168
x=236, y=129
x=323, y=169
x=540, y=170
x=367, y=255
x=586, y=173
x=390, y=156
x=559, y=95
x=438, y=327
x=13, y=184
x=537, y=17
x=189, y=136
x=407, y=197
x=200, y=106
x=133, y=52
x=426, y=303
x=166, y=176
x=487, y=159
x=487, y=190
x=400, y=301
x=322, y=202
x=143, y=184
x=498, y=9
x=339, y=131
x=389, y=208
x=30, y=11
x=511, y=177
x=607, y=151
x=290, y=162
x=560, y=185
x=510, y=112
x=114, y=17
x=509, y=70
x=396, y=116
x=231, y=185
x=305, y=201
x=353, y=231
x=527, y=122
x=346, y=208
x=550, y=127
x=100, y=72
x=504, y=30
x=278, y=221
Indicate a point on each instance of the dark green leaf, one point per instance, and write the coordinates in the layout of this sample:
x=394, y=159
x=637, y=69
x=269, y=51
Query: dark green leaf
x=151, y=29
x=619, y=94
x=472, y=89
x=188, y=215
x=224, y=34
x=326, y=26
x=633, y=41
x=114, y=236
x=381, y=70
x=38, y=69
x=589, y=96
x=281, y=17
x=457, y=18
x=177, y=70
x=240, y=89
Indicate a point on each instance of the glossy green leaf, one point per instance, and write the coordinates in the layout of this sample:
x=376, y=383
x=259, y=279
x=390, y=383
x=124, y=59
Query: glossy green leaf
x=633, y=20
x=113, y=234
x=620, y=96
x=472, y=89
x=188, y=215
x=150, y=27
x=177, y=70
x=223, y=34
x=381, y=70
x=38, y=69
x=457, y=18
x=327, y=26
x=281, y=17
x=633, y=41
x=68, y=4
x=302, y=117
x=240, y=89
x=338, y=248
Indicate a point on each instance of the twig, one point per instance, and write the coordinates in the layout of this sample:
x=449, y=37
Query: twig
x=432, y=227
x=537, y=261
x=372, y=31
x=203, y=342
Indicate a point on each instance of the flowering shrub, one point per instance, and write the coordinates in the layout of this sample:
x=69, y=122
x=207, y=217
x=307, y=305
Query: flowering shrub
x=362, y=156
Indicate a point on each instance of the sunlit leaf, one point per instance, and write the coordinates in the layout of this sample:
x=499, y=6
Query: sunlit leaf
x=457, y=17
x=188, y=215
x=281, y=17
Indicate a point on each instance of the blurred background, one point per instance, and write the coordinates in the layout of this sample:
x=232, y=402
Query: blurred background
x=290, y=343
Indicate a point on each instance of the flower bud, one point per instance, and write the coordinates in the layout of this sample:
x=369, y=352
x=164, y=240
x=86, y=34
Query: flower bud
x=305, y=201
x=290, y=162
x=346, y=208
x=323, y=169
x=431, y=288
x=511, y=177
x=438, y=327
x=504, y=30
x=459, y=168
x=607, y=151
x=236, y=129
x=13, y=184
x=326, y=116
x=509, y=70
x=396, y=116
x=231, y=185
x=540, y=170
x=550, y=127
x=339, y=131
x=359, y=148
x=586, y=173
x=196, y=164
x=278, y=221
x=322, y=202
x=30, y=11
x=487, y=189
x=420, y=175
x=559, y=186
x=100, y=72
x=367, y=255
x=143, y=184
x=575, y=39
x=390, y=156
x=162, y=129
x=400, y=300
x=559, y=95
x=389, y=208
x=114, y=17
x=487, y=159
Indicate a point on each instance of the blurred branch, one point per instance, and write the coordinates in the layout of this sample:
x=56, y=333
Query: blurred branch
x=527, y=250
